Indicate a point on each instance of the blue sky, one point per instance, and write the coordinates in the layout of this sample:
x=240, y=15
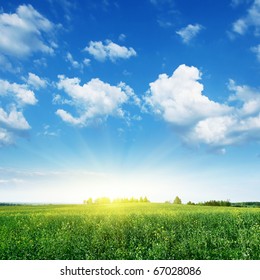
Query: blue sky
x=129, y=98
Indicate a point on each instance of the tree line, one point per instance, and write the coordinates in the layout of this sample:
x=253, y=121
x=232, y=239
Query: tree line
x=176, y=201
x=107, y=200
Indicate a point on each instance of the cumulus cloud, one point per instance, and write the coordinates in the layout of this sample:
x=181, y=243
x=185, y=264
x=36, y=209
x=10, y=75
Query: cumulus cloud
x=22, y=94
x=247, y=96
x=251, y=19
x=109, y=51
x=24, y=32
x=179, y=100
x=13, y=119
x=16, y=97
x=35, y=81
x=189, y=32
x=11, y=124
x=94, y=100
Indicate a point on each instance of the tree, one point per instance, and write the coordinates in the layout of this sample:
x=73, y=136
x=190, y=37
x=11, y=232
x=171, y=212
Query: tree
x=102, y=200
x=177, y=200
x=190, y=203
x=89, y=201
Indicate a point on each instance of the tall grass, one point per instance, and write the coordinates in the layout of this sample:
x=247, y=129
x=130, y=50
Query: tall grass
x=129, y=231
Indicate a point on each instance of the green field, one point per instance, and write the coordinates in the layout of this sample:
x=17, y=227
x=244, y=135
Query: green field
x=129, y=231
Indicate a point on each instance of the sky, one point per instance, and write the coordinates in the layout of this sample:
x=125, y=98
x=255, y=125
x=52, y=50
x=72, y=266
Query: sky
x=124, y=98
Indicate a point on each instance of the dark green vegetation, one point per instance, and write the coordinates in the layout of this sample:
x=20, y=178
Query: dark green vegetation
x=106, y=200
x=129, y=231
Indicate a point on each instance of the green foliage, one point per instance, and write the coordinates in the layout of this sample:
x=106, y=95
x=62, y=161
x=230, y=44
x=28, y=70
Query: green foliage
x=105, y=200
x=246, y=204
x=102, y=200
x=89, y=201
x=216, y=203
x=129, y=231
x=190, y=203
x=177, y=200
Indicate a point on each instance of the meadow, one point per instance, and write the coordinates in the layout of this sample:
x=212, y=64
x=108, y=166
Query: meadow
x=129, y=231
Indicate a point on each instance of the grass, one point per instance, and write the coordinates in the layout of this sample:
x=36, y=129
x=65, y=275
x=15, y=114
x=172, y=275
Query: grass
x=129, y=231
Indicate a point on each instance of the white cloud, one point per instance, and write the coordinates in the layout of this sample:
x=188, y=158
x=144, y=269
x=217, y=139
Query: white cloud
x=5, y=137
x=109, y=50
x=11, y=124
x=189, y=32
x=249, y=98
x=240, y=26
x=251, y=19
x=13, y=119
x=256, y=50
x=179, y=100
x=11, y=181
x=21, y=92
x=214, y=131
x=47, y=131
x=86, y=61
x=94, y=100
x=235, y=3
x=40, y=62
x=35, y=81
x=5, y=65
x=164, y=23
x=74, y=63
x=68, y=118
x=25, y=32
x=67, y=7
x=225, y=131
x=122, y=37
x=161, y=2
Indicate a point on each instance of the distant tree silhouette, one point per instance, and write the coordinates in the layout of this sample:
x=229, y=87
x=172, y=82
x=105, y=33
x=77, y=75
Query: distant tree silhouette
x=177, y=200
x=190, y=203
x=215, y=203
x=106, y=200
x=102, y=200
x=88, y=201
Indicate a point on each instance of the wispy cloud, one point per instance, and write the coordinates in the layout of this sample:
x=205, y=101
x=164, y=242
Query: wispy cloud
x=256, y=50
x=189, y=32
x=75, y=64
x=250, y=19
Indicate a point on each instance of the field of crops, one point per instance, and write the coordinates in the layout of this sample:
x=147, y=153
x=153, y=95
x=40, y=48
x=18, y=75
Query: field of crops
x=129, y=231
